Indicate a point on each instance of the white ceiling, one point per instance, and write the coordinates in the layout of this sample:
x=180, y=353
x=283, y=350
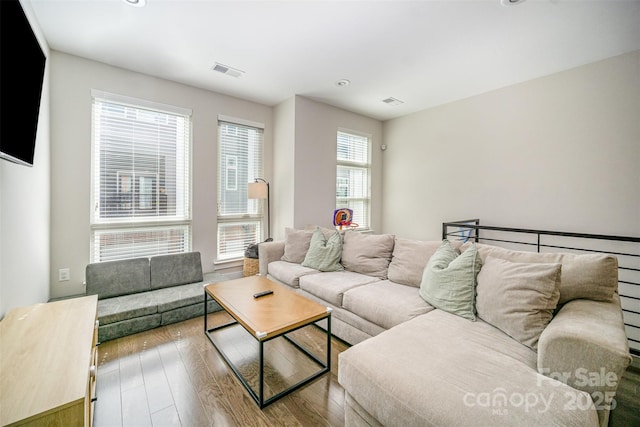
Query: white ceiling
x=424, y=53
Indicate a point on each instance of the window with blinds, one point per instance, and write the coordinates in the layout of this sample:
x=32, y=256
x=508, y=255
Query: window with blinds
x=353, y=176
x=240, y=219
x=141, y=178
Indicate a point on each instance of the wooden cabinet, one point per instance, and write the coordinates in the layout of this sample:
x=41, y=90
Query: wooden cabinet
x=48, y=363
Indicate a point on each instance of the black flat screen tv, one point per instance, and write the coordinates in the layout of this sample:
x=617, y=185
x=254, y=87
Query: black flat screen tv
x=22, y=64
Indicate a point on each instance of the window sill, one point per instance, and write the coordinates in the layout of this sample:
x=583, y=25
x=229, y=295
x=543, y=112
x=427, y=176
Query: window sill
x=227, y=263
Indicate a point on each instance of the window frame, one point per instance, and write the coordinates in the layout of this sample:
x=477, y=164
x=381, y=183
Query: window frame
x=251, y=218
x=343, y=202
x=121, y=226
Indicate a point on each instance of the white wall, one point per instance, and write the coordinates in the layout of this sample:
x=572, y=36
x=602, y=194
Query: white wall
x=72, y=79
x=560, y=152
x=24, y=213
x=282, y=185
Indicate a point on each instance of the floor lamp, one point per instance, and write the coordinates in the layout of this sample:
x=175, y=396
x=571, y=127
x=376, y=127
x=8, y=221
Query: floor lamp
x=259, y=189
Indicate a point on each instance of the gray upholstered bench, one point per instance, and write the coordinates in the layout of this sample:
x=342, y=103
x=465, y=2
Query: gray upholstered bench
x=143, y=293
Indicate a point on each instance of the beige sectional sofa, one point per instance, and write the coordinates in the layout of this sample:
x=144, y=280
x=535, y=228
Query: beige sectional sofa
x=411, y=364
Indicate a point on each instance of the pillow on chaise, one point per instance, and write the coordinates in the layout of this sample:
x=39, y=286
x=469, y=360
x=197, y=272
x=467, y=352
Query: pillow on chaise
x=518, y=298
x=449, y=280
x=585, y=276
x=368, y=254
x=324, y=253
x=296, y=244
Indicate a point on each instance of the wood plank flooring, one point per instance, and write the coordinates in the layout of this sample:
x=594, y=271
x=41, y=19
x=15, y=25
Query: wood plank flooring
x=173, y=376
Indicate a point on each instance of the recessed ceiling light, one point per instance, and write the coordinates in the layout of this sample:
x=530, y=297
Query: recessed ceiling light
x=343, y=82
x=511, y=2
x=392, y=101
x=136, y=3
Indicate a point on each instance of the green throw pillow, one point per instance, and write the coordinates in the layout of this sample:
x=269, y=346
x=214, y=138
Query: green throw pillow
x=324, y=253
x=449, y=280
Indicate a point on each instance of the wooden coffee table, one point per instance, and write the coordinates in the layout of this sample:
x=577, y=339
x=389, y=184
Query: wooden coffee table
x=266, y=318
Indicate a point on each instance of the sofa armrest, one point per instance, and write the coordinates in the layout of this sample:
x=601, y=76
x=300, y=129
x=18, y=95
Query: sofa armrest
x=586, y=347
x=268, y=252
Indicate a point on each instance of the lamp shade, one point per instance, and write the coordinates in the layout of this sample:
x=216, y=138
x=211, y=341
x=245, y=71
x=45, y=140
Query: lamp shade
x=257, y=190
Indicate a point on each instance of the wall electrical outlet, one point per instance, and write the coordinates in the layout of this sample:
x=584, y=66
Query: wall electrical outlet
x=64, y=275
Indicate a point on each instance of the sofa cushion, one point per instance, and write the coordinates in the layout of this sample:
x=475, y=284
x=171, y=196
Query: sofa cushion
x=518, y=298
x=175, y=269
x=124, y=307
x=331, y=286
x=296, y=244
x=368, y=254
x=586, y=276
x=113, y=278
x=324, y=253
x=439, y=369
x=410, y=257
x=117, y=309
x=289, y=273
x=178, y=296
x=449, y=280
x=128, y=327
x=385, y=303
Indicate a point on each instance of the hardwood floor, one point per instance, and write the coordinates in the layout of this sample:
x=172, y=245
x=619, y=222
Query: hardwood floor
x=173, y=376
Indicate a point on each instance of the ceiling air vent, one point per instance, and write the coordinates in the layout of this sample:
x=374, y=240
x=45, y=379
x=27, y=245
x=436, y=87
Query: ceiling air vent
x=225, y=69
x=392, y=101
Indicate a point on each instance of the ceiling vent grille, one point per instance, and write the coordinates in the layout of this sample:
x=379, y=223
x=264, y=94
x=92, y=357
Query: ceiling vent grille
x=225, y=69
x=392, y=101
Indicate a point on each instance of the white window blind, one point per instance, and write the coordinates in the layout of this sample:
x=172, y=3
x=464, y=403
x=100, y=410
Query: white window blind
x=240, y=161
x=353, y=176
x=141, y=179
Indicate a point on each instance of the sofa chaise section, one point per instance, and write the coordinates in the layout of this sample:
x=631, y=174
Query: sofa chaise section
x=480, y=377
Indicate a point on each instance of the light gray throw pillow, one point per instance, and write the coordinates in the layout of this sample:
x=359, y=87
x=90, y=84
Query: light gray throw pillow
x=368, y=254
x=584, y=276
x=449, y=280
x=410, y=257
x=518, y=298
x=296, y=244
x=324, y=254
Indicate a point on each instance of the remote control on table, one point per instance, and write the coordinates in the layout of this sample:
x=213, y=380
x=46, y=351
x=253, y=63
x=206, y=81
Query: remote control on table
x=262, y=294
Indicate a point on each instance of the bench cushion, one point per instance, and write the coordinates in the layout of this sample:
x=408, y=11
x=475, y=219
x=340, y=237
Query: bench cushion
x=114, y=278
x=175, y=269
x=128, y=327
x=125, y=307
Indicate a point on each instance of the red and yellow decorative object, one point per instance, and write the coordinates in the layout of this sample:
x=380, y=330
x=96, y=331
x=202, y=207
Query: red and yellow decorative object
x=342, y=218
